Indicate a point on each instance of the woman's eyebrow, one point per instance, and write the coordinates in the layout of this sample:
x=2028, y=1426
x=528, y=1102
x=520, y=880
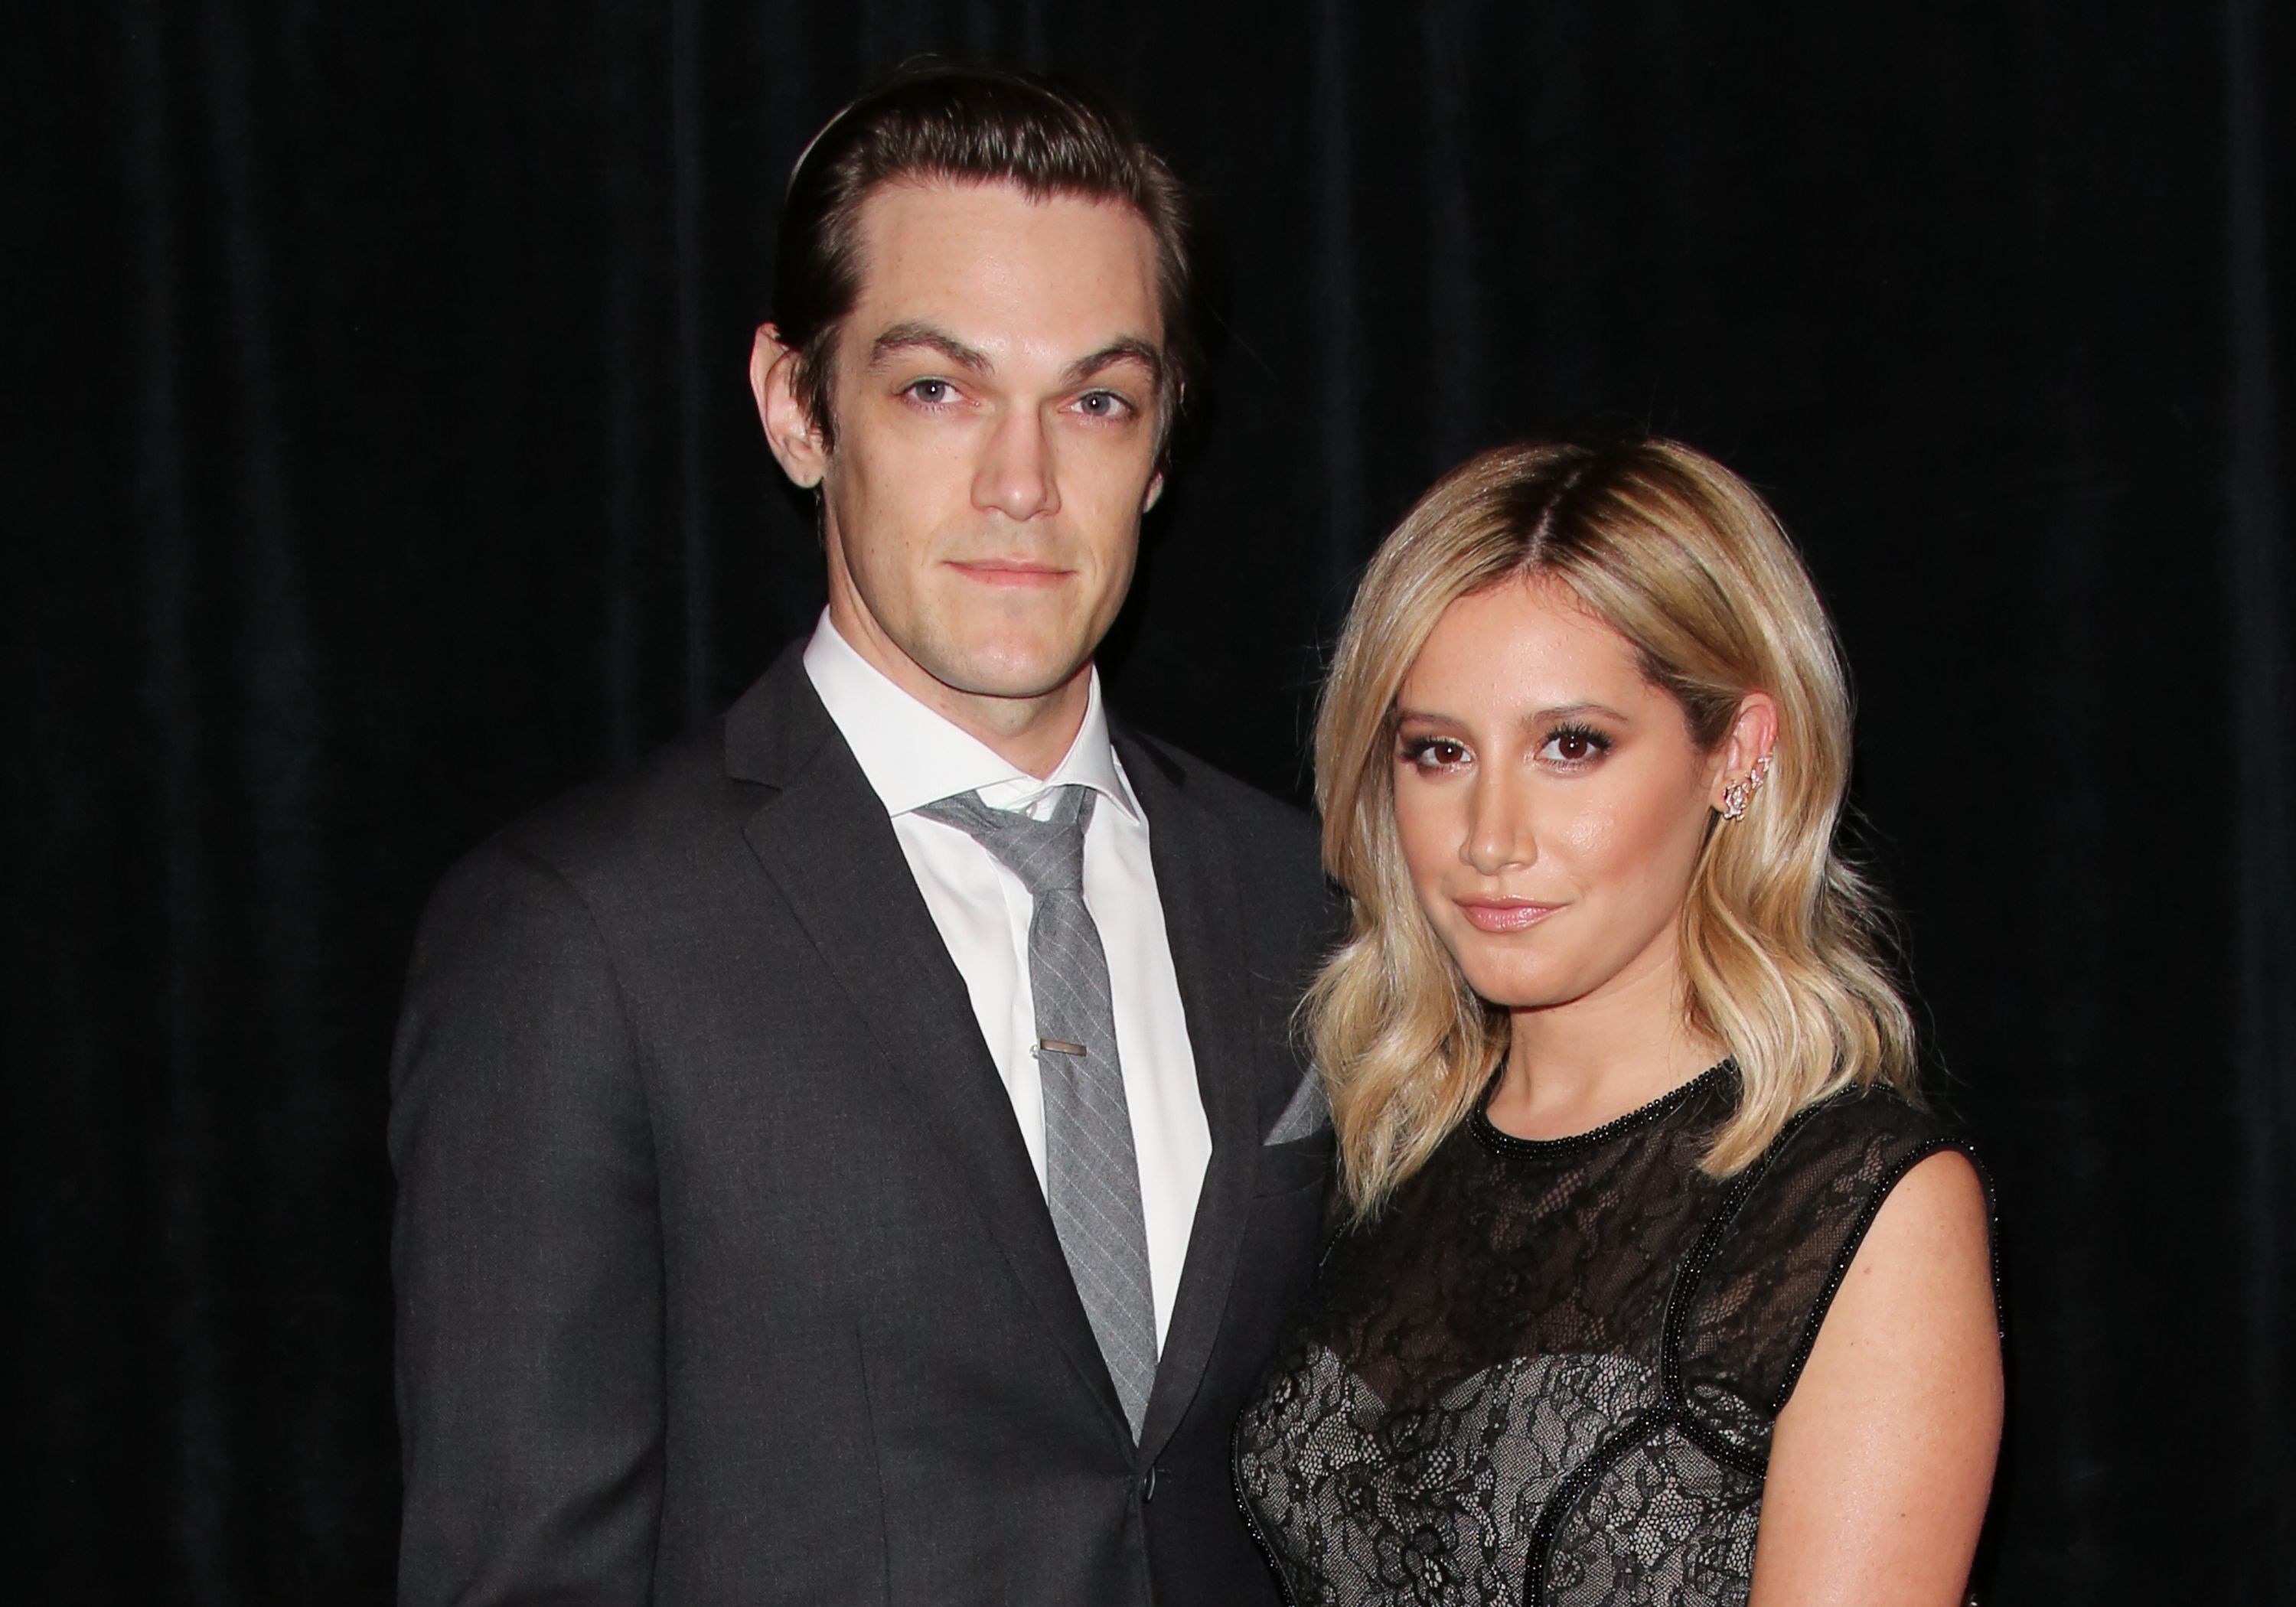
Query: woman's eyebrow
x=1538, y=717
x=1571, y=711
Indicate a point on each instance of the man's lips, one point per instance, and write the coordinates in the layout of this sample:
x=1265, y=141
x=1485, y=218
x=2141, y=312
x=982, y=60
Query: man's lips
x=1504, y=915
x=1011, y=571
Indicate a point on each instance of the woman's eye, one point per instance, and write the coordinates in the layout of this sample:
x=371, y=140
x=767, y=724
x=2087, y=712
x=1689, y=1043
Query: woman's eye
x=1434, y=753
x=1574, y=745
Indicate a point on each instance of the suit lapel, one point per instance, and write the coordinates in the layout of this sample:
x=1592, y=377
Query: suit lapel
x=825, y=840
x=1195, y=882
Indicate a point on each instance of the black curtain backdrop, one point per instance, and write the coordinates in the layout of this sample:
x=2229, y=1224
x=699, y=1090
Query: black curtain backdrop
x=379, y=462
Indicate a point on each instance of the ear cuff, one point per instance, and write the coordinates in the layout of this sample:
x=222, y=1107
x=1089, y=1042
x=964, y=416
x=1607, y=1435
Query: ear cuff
x=1741, y=792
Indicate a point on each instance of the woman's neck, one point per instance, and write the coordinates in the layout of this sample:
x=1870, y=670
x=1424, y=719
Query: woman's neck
x=1574, y=1066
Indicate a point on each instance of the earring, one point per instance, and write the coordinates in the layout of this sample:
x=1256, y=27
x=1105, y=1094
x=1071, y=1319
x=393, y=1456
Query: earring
x=1738, y=793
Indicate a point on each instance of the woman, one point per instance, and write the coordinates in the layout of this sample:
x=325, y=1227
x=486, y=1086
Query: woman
x=1658, y=1285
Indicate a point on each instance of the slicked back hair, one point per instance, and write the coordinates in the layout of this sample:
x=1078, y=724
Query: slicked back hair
x=945, y=121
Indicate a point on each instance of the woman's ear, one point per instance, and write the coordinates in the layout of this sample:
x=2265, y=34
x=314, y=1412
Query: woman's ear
x=1752, y=737
x=789, y=427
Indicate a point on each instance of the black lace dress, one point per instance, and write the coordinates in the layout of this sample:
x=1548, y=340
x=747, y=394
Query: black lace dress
x=1548, y=1372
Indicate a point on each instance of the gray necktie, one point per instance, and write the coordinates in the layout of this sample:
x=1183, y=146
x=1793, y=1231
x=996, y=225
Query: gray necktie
x=1092, y=1178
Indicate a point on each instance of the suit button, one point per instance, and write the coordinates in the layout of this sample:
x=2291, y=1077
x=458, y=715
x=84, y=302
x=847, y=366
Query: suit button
x=1148, y=1484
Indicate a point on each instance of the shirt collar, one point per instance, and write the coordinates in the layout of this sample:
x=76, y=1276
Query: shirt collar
x=913, y=757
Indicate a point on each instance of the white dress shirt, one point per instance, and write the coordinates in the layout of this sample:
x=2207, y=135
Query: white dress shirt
x=913, y=757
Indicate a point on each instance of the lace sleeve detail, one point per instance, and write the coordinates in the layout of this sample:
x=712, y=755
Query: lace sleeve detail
x=1788, y=1244
x=1548, y=1375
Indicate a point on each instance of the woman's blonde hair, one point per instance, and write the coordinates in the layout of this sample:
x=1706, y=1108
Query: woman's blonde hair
x=1781, y=940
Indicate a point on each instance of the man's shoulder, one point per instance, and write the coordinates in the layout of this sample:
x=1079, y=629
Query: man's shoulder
x=1235, y=803
x=656, y=819
x=652, y=824
x=1267, y=852
x=1274, y=849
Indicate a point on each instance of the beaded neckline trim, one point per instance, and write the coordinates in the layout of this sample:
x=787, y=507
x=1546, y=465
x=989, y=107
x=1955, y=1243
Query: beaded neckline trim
x=1571, y=1143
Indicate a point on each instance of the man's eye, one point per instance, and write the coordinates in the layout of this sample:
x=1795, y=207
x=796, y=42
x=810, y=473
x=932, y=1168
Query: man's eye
x=1103, y=404
x=933, y=393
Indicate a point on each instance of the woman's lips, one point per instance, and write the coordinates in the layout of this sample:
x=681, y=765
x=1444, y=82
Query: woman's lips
x=1504, y=915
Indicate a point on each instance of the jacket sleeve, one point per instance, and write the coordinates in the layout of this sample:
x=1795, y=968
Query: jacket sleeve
x=525, y=1254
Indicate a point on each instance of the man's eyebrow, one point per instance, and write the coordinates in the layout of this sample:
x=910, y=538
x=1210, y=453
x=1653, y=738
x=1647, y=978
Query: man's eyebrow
x=1129, y=350
x=912, y=334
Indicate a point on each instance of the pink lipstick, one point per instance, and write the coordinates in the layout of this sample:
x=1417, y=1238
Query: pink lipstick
x=1505, y=914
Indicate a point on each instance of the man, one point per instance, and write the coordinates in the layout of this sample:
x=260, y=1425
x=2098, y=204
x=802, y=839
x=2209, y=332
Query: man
x=858, y=1157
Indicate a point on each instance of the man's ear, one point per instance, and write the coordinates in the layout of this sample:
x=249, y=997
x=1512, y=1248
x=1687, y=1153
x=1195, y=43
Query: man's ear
x=1156, y=483
x=789, y=429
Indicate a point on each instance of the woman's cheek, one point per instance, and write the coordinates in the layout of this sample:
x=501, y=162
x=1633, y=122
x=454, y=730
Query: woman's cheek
x=1430, y=824
x=1591, y=834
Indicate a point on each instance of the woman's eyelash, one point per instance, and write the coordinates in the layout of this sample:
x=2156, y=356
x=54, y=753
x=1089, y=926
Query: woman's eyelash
x=1417, y=747
x=1592, y=744
x=1598, y=740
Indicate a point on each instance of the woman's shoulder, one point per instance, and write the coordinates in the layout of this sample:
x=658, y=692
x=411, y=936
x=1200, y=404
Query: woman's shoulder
x=1819, y=1186
x=1851, y=1143
x=1789, y=1227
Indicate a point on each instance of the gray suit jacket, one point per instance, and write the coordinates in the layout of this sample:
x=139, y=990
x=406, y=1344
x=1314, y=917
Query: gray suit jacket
x=722, y=1272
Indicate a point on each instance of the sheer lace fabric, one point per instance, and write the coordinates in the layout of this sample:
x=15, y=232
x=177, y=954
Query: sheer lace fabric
x=1548, y=1372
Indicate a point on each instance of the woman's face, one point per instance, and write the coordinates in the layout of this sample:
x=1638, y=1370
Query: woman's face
x=1551, y=801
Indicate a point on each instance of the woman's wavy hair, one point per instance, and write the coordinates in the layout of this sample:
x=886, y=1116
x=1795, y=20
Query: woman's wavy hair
x=1781, y=940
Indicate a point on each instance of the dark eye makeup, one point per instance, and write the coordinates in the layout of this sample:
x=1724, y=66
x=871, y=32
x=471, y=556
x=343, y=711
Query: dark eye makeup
x=1576, y=744
x=1430, y=751
x=1571, y=746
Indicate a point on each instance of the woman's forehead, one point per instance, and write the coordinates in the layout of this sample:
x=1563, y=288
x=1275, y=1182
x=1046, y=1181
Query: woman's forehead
x=1529, y=642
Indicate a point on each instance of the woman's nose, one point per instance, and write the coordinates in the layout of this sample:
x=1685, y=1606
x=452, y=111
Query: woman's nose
x=1499, y=829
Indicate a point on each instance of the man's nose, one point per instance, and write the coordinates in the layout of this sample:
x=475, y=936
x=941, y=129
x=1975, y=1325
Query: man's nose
x=1015, y=474
x=1500, y=832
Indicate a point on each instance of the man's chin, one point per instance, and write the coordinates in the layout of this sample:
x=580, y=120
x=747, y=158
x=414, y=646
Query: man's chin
x=1020, y=677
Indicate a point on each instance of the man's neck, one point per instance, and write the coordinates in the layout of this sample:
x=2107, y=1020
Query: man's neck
x=1032, y=733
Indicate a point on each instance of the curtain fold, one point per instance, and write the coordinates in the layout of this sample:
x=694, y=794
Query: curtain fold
x=2262, y=619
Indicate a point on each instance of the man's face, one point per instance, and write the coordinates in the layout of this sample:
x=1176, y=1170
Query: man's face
x=995, y=397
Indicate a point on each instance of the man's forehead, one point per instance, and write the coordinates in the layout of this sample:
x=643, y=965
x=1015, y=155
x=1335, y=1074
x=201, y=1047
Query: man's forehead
x=908, y=199
x=997, y=269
